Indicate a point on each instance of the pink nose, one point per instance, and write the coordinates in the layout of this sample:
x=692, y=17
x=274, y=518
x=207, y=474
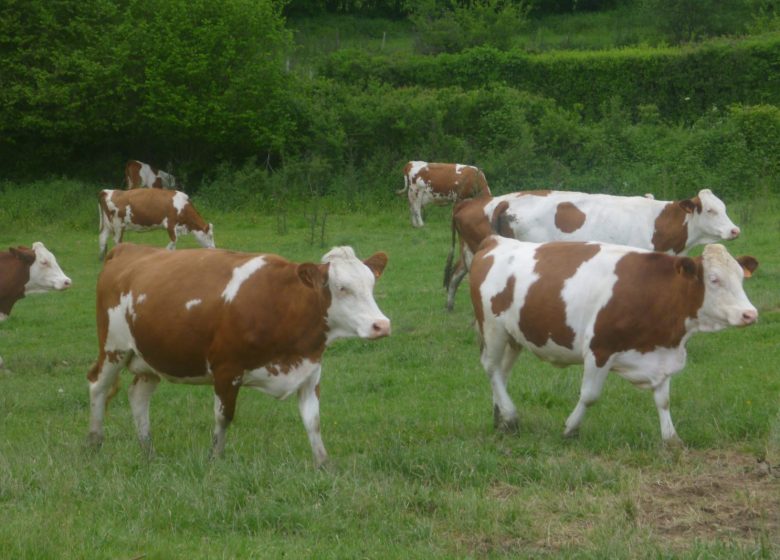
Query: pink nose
x=749, y=317
x=735, y=233
x=66, y=283
x=380, y=328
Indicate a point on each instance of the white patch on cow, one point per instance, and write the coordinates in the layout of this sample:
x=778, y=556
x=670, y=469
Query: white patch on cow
x=648, y=370
x=280, y=385
x=240, y=275
x=192, y=303
x=119, y=337
x=180, y=200
x=353, y=310
x=141, y=298
x=45, y=272
x=148, y=176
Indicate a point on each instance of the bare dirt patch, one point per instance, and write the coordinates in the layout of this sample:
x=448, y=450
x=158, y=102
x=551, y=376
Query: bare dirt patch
x=712, y=496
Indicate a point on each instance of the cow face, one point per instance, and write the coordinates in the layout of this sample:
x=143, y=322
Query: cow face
x=45, y=273
x=709, y=217
x=725, y=303
x=353, y=310
x=205, y=237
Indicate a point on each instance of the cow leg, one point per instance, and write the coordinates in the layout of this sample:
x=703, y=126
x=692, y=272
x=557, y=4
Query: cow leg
x=309, y=407
x=225, y=394
x=103, y=239
x=415, y=206
x=661, y=397
x=498, y=357
x=102, y=378
x=140, y=394
x=592, y=384
x=171, y=235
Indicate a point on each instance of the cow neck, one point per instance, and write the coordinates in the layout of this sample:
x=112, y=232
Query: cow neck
x=671, y=229
x=14, y=275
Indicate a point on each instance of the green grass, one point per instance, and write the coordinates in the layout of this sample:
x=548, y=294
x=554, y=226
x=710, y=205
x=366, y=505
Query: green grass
x=416, y=470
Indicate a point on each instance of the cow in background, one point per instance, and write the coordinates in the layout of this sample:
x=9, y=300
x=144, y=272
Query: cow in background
x=639, y=221
x=26, y=271
x=142, y=175
x=608, y=307
x=144, y=210
x=440, y=183
x=230, y=320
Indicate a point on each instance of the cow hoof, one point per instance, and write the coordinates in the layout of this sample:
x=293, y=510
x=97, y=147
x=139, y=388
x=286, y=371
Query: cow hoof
x=571, y=434
x=674, y=442
x=94, y=441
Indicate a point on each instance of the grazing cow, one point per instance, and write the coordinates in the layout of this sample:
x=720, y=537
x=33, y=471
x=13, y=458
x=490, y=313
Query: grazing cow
x=541, y=216
x=227, y=319
x=27, y=271
x=139, y=174
x=440, y=183
x=609, y=307
x=143, y=210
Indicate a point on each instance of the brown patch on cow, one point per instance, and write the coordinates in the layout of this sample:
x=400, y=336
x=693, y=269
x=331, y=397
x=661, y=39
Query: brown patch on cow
x=541, y=192
x=14, y=274
x=479, y=271
x=446, y=181
x=503, y=299
x=653, y=296
x=500, y=220
x=569, y=218
x=543, y=316
x=284, y=367
x=317, y=391
x=670, y=232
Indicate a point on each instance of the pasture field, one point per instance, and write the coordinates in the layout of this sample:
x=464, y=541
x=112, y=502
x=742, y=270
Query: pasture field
x=417, y=470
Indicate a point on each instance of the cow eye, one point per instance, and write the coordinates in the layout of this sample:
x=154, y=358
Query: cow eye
x=343, y=289
x=714, y=280
x=44, y=262
x=712, y=211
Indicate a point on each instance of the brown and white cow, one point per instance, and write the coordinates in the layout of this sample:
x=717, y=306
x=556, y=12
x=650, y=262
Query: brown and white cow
x=230, y=320
x=142, y=175
x=440, y=183
x=541, y=216
x=26, y=271
x=609, y=307
x=144, y=210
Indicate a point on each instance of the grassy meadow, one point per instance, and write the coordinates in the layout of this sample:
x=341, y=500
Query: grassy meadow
x=417, y=470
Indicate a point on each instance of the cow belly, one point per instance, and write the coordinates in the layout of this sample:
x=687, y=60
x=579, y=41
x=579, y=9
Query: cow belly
x=132, y=226
x=280, y=380
x=649, y=369
x=139, y=366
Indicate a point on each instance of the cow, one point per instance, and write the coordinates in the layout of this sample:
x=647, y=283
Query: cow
x=440, y=183
x=608, y=307
x=142, y=175
x=639, y=221
x=227, y=319
x=144, y=210
x=28, y=271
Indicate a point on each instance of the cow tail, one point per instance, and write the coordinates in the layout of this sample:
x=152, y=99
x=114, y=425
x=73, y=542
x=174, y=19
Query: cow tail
x=406, y=185
x=101, y=210
x=451, y=256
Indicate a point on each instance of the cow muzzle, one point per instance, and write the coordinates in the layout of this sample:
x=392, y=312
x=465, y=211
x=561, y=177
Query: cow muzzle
x=379, y=329
x=749, y=317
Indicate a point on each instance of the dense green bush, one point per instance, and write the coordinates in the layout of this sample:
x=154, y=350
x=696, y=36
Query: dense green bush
x=683, y=83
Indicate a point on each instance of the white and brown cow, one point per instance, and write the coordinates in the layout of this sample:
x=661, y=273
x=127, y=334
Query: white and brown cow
x=26, y=271
x=144, y=210
x=541, y=216
x=230, y=320
x=142, y=175
x=440, y=183
x=609, y=307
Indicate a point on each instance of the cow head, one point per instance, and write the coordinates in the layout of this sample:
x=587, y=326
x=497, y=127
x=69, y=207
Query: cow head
x=708, y=218
x=353, y=310
x=725, y=302
x=205, y=237
x=45, y=273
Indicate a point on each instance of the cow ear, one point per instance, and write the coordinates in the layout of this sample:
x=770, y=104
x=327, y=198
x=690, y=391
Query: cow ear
x=314, y=276
x=686, y=266
x=688, y=205
x=749, y=265
x=377, y=263
x=23, y=254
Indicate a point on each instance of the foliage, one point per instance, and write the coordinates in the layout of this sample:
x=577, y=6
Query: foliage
x=451, y=27
x=689, y=20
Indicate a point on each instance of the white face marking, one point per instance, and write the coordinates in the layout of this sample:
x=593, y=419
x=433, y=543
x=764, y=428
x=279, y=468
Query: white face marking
x=712, y=224
x=45, y=273
x=180, y=200
x=192, y=303
x=353, y=310
x=240, y=275
x=206, y=239
x=725, y=302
